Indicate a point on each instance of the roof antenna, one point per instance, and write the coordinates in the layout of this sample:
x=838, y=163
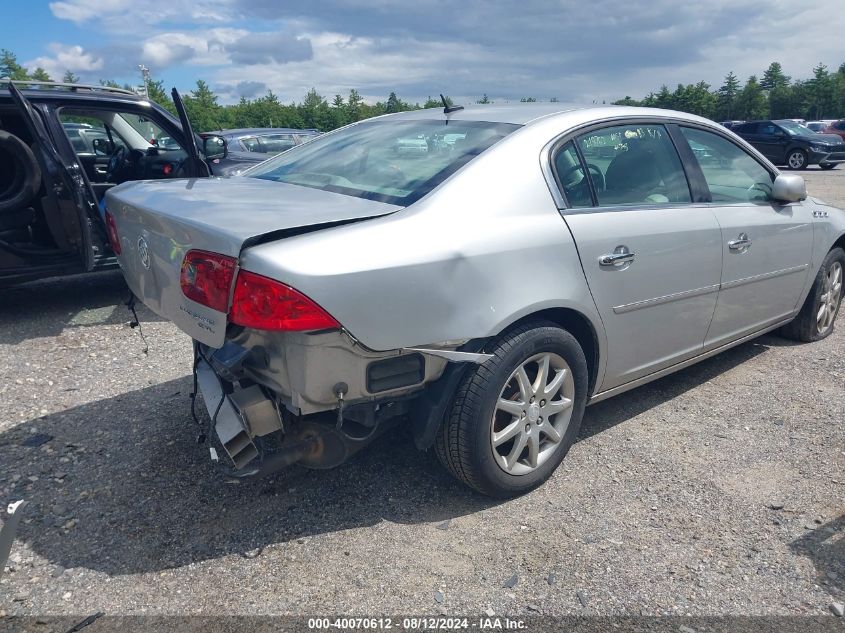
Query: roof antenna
x=448, y=109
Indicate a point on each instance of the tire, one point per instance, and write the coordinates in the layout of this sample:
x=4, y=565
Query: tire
x=828, y=165
x=796, y=159
x=465, y=442
x=809, y=325
x=21, y=170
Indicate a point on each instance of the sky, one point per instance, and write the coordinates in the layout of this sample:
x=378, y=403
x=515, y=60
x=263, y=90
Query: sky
x=574, y=50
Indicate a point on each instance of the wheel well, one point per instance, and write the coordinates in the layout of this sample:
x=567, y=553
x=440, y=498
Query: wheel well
x=580, y=327
x=840, y=243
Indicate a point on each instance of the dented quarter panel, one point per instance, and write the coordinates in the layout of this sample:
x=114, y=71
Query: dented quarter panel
x=485, y=249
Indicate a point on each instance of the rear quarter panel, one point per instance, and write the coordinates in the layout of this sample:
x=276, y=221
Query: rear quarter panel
x=485, y=249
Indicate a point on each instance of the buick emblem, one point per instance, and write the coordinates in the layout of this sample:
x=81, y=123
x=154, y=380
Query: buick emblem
x=144, y=252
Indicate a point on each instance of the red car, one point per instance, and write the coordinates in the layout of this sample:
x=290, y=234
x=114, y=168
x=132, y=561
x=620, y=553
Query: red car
x=837, y=127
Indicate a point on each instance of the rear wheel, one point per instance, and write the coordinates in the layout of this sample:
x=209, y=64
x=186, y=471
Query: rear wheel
x=796, y=159
x=818, y=314
x=514, y=418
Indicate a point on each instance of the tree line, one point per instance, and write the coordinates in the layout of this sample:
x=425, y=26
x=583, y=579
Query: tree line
x=773, y=96
x=207, y=114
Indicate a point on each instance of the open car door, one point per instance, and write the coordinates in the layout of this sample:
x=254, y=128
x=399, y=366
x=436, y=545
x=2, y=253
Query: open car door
x=65, y=179
x=195, y=165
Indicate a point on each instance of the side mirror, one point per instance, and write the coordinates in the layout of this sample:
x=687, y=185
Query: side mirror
x=214, y=147
x=789, y=188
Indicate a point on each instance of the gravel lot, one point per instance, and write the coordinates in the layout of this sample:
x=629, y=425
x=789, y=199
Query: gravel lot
x=718, y=490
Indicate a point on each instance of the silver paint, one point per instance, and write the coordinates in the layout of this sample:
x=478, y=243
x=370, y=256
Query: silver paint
x=491, y=245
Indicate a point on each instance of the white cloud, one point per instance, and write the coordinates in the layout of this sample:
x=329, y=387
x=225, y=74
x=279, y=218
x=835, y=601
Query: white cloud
x=207, y=47
x=569, y=49
x=64, y=58
x=125, y=16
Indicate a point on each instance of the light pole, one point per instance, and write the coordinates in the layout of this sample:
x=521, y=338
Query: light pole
x=145, y=75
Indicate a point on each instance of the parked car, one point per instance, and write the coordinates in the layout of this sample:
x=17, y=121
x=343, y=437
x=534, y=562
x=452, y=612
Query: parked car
x=785, y=142
x=62, y=146
x=731, y=124
x=483, y=296
x=837, y=128
x=816, y=126
x=248, y=146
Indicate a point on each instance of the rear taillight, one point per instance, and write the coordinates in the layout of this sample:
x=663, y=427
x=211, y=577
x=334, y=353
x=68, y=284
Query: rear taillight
x=266, y=304
x=207, y=278
x=111, y=230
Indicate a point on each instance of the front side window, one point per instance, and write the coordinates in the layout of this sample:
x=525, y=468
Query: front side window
x=634, y=165
x=570, y=174
x=397, y=162
x=250, y=144
x=112, y=129
x=767, y=129
x=731, y=173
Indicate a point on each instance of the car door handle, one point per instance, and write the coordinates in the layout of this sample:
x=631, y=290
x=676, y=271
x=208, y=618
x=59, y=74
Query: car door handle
x=740, y=243
x=619, y=257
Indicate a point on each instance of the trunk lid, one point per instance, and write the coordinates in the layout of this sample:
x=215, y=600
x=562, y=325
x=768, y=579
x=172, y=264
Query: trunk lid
x=159, y=222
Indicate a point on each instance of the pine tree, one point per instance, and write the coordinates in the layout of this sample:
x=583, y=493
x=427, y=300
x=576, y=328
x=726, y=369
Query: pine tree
x=9, y=66
x=726, y=97
x=751, y=102
x=774, y=78
x=39, y=74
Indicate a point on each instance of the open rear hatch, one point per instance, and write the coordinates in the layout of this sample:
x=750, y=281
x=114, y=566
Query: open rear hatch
x=157, y=223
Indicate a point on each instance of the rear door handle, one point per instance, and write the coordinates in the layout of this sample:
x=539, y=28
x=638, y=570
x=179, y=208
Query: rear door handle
x=619, y=257
x=741, y=243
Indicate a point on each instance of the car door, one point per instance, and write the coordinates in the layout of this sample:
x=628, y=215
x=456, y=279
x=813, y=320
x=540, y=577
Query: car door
x=766, y=247
x=651, y=257
x=65, y=178
x=195, y=165
x=771, y=141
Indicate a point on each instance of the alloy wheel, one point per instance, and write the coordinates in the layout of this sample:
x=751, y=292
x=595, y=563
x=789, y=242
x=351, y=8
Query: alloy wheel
x=830, y=298
x=532, y=413
x=796, y=160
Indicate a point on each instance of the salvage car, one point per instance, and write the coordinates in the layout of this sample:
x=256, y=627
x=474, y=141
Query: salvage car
x=62, y=146
x=791, y=144
x=482, y=295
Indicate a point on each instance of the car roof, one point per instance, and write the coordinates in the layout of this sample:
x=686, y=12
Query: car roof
x=246, y=131
x=527, y=113
x=77, y=93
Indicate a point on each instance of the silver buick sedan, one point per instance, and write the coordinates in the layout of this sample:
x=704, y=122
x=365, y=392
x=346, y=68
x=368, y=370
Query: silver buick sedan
x=522, y=262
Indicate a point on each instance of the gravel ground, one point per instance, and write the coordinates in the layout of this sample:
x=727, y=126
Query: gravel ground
x=719, y=490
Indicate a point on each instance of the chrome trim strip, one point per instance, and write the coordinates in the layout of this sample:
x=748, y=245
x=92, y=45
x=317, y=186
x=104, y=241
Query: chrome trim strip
x=604, y=395
x=769, y=275
x=697, y=292
x=452, y=356
x=686, y=294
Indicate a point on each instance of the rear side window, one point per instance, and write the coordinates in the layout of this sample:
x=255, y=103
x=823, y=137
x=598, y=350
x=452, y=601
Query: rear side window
x=731, y=173
x=571, y=177
x=275, y=143
x=634, y=165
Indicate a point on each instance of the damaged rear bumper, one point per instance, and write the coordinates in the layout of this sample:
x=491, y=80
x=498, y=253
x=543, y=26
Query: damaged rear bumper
x=275, y=399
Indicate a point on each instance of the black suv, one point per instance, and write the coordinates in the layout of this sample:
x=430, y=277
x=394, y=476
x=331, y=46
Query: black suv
x=61, y=147
x=787, y=143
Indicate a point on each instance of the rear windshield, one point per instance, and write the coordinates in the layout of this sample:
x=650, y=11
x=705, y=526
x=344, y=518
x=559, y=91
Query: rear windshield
x=397, y=162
